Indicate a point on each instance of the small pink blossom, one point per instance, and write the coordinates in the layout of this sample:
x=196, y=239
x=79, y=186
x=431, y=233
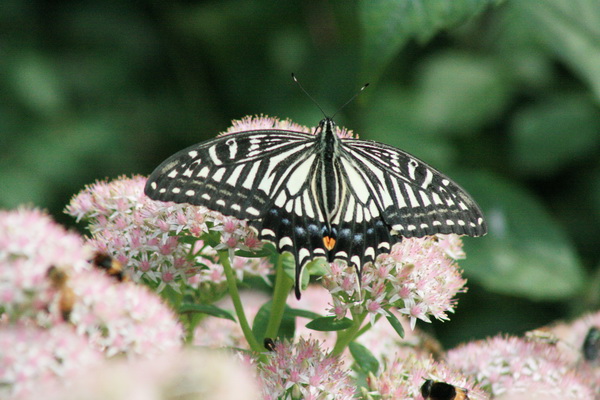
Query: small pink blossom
x=123, y=318
x=404, y=373
x=31, y=356
x=146, y=234
x=185, y=374
x=512, y=367
x=303, y=370
x=30, y=244
x=419, y=278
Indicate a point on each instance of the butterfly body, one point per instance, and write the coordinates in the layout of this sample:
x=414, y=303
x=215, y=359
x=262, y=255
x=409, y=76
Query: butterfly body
x=318, y=195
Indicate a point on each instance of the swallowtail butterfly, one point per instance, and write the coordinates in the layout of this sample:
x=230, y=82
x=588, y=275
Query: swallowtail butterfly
x=318, y=195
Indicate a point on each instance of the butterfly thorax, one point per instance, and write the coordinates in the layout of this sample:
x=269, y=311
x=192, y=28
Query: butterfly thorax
x=327, y=179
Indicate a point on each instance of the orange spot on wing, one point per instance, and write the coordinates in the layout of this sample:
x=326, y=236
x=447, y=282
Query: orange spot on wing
x=329, y=242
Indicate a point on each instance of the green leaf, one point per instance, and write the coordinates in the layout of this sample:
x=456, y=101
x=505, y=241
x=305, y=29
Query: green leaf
x=326, y=324
x=364, y=358
x=296, y=312
x=396, y=324
x=388, y=24
x=460, y=92
x=259, y=325
x=318, y=267
x=571, y=28
x=525, y=253
x=548, y=135
x=208, y=309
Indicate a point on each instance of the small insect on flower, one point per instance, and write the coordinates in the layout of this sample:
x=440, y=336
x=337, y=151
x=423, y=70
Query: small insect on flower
x=433, y=390
x=112, y=267
x=542, y=335
x=269, y=344
x=591, y=345
x=59, y=279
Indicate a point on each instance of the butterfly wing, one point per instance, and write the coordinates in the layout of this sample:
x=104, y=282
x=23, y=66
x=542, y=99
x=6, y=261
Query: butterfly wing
x=233, y=174
x=413, y=198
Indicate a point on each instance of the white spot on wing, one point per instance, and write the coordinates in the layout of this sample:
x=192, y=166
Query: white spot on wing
x=298, y=207
x=267, y=232
x=303, y=254
x=190, y=192
x=233, y=178
x=411, y=195
x=232, y=148
x=193, y=154
x=297, y=179
x=176, y=190
x=173, y=174
x=425, y=198
x=358, y=184
x=218, y=175
x=285, y=241
x=203, y=173
x=249, y=181
x=212, y=152
x=310, y=213
x=428, y=178
x=252, y=210
x=412, y=166
x=280, y=200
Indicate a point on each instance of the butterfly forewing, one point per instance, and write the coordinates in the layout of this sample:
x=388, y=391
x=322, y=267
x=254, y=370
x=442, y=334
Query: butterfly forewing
x=414, y=199
x=233, y=174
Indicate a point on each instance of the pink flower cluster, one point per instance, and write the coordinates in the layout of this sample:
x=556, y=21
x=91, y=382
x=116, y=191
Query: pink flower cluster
x=61, y=313
x=510, y=368
x=405, y=372
x=302, y=370
x=30, y=244
x=144, y=235
x=419, y=278
x=183, y=374
x=31, y=356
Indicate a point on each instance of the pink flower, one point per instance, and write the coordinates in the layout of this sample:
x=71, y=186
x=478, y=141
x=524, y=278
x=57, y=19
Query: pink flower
x=30, y=244
x=189, y=374
x=419, y=278
x=405, y=372
x=123, y=318
x=148, y=234
x=31, y=356
x=512, y=367
x=303, y=370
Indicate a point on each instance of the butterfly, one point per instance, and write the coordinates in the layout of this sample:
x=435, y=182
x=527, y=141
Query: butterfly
x=318, y=195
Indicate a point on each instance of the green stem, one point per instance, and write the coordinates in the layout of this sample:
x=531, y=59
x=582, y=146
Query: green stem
x=283, y=285
x=237, y=302
x=345, y=337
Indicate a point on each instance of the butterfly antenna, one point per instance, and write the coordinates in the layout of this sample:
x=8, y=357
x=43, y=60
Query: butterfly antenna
x=350, y=100
x=309, y=96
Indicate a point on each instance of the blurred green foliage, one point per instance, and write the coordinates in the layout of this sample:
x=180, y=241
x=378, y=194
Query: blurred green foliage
x=503, y=96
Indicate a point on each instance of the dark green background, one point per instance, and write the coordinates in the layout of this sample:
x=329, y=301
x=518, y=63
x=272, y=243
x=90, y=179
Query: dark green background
x=501, y=95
